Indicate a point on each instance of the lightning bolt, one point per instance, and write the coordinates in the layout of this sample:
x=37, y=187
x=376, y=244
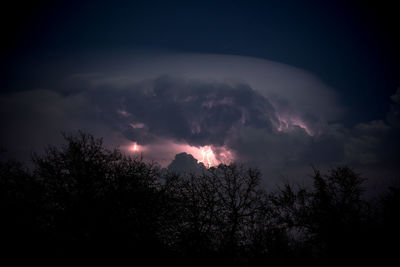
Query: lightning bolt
x=206, y=153
x=134, y=148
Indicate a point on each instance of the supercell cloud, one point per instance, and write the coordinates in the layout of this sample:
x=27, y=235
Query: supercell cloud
x=216, y=108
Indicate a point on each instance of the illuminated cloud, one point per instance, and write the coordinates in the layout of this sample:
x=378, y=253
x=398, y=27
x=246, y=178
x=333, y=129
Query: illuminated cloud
x=219, y=109
x=164, y=150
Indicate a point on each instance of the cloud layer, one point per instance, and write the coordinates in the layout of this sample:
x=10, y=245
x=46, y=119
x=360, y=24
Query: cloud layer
x=266, y=114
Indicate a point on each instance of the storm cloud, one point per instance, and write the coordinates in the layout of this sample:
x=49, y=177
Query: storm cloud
x=195, y=112
x=276, y=117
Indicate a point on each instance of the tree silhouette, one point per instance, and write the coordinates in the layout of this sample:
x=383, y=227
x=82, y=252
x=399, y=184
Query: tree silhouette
x=224, y=213
x=99, y=196
x=84, y=199
x=20, y=202
x=385, y=230
x=330, y=218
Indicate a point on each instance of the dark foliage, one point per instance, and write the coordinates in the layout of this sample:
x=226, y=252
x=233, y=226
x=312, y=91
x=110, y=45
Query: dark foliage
x=85, y=200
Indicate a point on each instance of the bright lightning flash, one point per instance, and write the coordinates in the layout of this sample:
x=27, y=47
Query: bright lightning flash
x=135, y=147
x=207, y=156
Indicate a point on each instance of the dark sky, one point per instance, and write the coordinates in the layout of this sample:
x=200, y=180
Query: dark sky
x=350, y=47
x=348, y=44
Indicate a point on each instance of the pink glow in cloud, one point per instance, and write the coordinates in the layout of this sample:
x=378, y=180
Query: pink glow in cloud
x=164, y=152
x=213, y=156
x=286, y=122
x=137, y=125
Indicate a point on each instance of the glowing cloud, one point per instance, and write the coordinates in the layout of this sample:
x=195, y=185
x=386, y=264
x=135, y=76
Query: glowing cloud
x=287, y=122
x=165, y=150
x=137, y=125
x=207, y=156
x=134, y=148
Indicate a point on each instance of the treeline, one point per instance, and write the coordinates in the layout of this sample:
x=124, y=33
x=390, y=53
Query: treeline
x=84, y=200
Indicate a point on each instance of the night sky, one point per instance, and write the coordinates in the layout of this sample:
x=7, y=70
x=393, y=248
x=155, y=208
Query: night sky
x=275, y=84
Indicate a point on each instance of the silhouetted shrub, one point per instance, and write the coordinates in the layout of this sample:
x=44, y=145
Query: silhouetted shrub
x=84, y=199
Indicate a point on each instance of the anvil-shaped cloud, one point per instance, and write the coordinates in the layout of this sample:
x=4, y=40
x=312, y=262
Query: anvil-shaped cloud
x=245, y=109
